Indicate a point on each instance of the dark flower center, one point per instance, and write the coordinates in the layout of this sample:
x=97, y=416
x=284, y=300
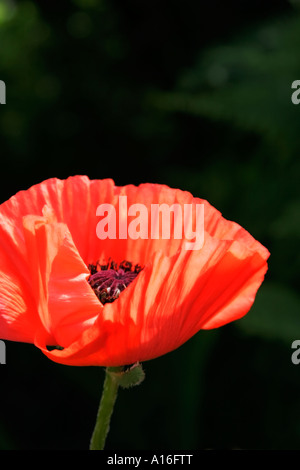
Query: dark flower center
x=109, y=280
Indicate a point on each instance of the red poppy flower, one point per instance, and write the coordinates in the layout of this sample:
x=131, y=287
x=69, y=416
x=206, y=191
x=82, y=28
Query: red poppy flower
x=149, y=297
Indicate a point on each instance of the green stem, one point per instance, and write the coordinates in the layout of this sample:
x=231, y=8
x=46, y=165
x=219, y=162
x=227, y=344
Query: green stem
x=109, y=395
x=115, y=377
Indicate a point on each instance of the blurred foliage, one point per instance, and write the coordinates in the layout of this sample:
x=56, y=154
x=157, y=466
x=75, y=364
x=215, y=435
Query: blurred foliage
x=196, y=95
x=275, y=313
x=241, y=82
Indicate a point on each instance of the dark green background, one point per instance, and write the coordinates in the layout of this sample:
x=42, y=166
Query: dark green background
x=196, y=95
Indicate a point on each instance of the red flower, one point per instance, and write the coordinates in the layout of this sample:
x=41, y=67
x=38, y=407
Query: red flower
x=49, y=275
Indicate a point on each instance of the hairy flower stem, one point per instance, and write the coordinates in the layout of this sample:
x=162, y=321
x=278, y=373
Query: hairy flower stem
x=107, y=402
x=115, y=377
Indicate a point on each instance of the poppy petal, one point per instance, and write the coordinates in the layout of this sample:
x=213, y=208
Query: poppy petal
x=19, y=317
x=66, y=303
x=75, y=200
x=49, y=236
x=169, y=301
